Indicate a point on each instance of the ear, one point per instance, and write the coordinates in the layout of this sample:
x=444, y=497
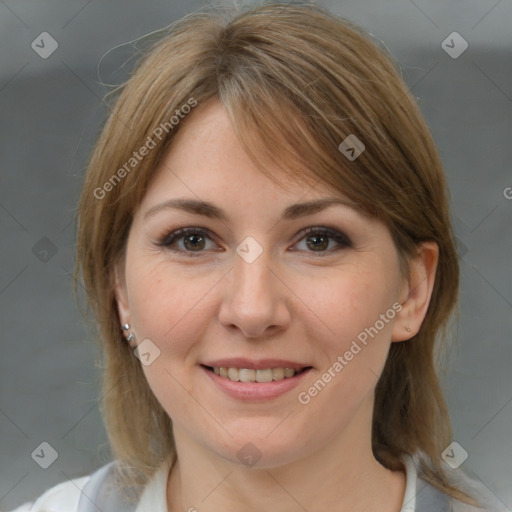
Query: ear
x=416, y=292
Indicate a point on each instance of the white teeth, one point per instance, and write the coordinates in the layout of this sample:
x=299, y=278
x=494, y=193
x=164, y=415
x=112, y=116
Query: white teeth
x=264, y=375
x=289, y=372
x=233, y=373
x=251, y=375
x=278, y=373
x=246, y=375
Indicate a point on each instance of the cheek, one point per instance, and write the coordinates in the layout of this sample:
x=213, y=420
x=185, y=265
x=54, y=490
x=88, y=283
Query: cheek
x=349, y=305
x=167, y=307
x=349, y=300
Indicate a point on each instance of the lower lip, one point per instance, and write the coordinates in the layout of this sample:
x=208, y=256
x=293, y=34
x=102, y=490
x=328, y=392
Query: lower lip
x=256, y=391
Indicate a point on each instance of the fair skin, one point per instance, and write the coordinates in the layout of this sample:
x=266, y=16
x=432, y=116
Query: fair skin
x=300, y=300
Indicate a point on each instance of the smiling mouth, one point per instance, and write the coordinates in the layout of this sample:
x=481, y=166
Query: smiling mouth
x=252, y=375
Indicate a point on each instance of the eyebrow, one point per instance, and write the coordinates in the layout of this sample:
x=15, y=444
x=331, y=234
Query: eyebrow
x=209, y=210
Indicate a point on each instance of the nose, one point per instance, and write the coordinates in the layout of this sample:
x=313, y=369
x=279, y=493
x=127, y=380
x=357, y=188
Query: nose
x=255, y=299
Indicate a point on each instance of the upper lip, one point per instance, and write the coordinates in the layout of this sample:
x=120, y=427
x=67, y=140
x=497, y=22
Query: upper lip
x=260, y=364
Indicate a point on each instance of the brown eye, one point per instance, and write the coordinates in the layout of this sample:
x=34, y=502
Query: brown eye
x=319, y=239
x=318, y=242
x=194, y=240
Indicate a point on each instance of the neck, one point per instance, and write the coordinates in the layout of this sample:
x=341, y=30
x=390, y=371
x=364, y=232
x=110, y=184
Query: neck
x=343, y=475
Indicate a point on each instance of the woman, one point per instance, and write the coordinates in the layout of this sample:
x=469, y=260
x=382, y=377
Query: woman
x=265, y=241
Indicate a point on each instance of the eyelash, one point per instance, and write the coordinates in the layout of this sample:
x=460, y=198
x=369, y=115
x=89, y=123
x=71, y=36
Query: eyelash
x=169, y=239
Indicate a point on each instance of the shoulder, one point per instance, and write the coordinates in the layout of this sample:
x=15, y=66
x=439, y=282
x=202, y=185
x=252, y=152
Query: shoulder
x=422, y=496
x=66, y=496
x=62, y=497
x=489, y=500
x=430, y=498
x=100, y=491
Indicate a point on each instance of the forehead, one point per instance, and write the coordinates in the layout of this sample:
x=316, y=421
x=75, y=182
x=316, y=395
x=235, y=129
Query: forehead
x=207, y=160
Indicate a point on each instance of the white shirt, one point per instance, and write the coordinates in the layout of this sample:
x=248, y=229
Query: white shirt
x=65, y=497
x=154, y=497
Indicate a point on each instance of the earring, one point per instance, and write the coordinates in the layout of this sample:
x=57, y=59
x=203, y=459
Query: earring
x=407, y=329
x=126, y=327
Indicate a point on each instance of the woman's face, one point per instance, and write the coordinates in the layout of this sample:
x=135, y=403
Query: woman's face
x=249, y=288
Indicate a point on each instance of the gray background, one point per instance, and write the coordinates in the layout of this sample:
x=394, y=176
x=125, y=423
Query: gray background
x=50, y=114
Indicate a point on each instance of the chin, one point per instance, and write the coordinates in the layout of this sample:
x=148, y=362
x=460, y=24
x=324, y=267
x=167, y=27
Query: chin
x=265, y=452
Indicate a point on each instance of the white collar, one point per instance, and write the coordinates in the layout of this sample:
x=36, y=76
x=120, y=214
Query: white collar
x=409, y=502
x=154, y=496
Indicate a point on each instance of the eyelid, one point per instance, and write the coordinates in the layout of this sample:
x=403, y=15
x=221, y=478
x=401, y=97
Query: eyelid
x=334, y=233
x=177, y=234
x=342, y=239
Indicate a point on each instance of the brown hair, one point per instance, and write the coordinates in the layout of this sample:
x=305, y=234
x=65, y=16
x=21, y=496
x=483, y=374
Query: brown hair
x=296, y=80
